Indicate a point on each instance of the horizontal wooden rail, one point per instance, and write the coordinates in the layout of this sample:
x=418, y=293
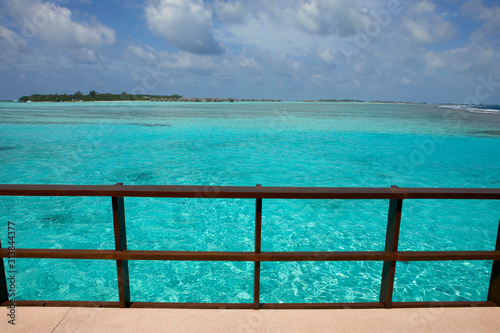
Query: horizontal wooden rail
x=246, y=192
x=184, y=191
x=252, y=256
x=390, y=256
x=452, y=193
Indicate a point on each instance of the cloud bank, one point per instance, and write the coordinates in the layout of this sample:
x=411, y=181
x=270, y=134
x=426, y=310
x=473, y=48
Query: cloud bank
x=416, y=50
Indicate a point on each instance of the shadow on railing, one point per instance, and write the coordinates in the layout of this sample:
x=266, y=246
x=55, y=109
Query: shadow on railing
x=390, y=256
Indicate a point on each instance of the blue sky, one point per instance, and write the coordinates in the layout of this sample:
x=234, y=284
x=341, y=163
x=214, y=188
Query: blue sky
x=404, y=50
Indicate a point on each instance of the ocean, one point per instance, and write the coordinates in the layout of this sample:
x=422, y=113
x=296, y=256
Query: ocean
x=244, y=144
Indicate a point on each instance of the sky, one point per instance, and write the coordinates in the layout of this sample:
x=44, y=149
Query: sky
x=444, y=51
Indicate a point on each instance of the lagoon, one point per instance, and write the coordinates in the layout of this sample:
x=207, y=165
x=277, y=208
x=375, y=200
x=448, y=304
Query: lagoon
x=273, y=144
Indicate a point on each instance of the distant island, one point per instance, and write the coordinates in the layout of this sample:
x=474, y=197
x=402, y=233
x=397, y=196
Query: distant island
x=355, y=101
x=94, y=96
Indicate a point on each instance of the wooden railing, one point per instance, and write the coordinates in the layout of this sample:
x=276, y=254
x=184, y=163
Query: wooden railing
x=390, y=256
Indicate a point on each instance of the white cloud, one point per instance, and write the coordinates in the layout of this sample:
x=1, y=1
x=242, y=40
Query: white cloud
x=488, y=16
x=139, y=53
x=54, y=25
x=471, y=58
x=228, y=11
x=279, y=64
x=85, y=56
x=244, y=62
x=186, y=24
x=425, y=26
x=328, y=56
x=182, y=61
x=298, y=28
x=266, y=34
x=200, y=64
x=435, y=61
x=479, y=55
x=327, y=17
x=10, y=44
x=318, y=17
x=476, y=9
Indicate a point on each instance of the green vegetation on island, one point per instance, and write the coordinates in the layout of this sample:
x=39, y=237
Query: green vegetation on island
x=97, y=97
x=94, y=96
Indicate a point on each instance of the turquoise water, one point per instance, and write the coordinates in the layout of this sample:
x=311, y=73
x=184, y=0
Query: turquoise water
x=273, y=144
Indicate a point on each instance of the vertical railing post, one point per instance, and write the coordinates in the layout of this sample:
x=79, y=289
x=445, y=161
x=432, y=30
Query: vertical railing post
x=258, y=245
x=121, y=245
x=4, y=294
x=494, y=289
x=391, y=245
